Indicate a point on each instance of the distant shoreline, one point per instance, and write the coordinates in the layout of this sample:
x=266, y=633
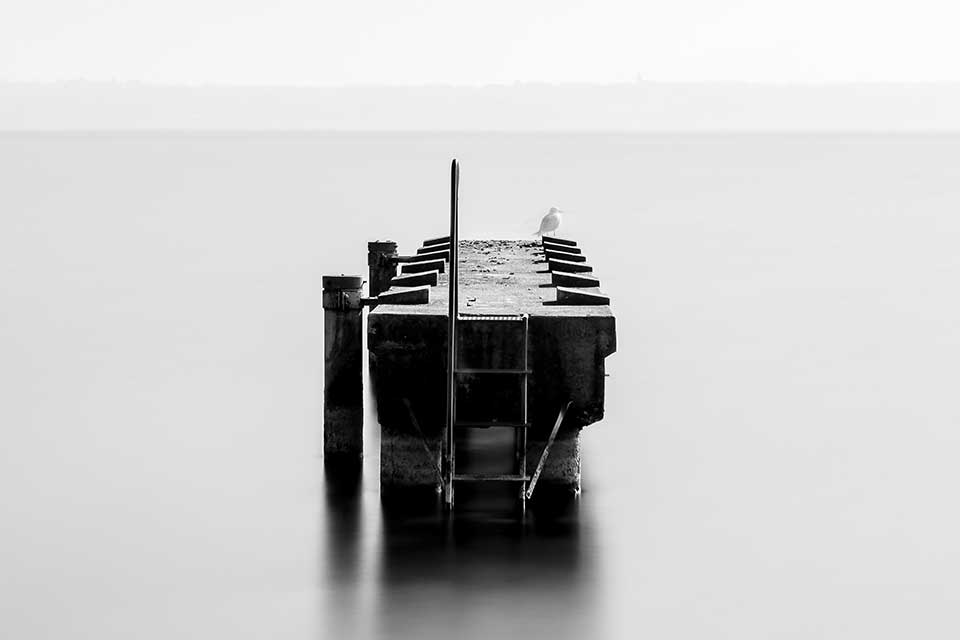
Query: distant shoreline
x=596, y=109
x=226, y=133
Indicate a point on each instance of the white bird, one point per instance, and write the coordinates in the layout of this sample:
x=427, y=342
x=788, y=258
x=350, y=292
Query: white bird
x=550, y=223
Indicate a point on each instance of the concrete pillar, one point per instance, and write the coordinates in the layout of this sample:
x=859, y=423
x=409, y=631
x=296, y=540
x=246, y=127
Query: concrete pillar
x=382, y=260
x=343, y=371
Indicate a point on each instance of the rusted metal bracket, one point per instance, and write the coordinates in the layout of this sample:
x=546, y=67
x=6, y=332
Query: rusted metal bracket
x=571, y=296
x=425, y=256
x=437, y=248
x=562, y=279
x=561, y=241
x=562, y=248
x=560, y=255
x=419, y=267
x=568, y=266
x=546, y=450
x=416, y=279
x=405, y=295
x=440, y=240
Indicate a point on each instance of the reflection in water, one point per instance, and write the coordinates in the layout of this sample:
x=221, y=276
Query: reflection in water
x=343, y=490
x=482, y=571
x=781, y=422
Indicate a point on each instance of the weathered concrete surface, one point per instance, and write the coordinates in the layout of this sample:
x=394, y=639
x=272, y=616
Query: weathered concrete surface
x=408, y=344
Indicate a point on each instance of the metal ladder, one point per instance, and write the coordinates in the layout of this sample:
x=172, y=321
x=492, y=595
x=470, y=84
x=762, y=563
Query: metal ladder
x=522, y=373
x=448, y=467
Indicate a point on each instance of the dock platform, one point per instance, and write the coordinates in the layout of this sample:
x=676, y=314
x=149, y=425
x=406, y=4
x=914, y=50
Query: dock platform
x=571, y=330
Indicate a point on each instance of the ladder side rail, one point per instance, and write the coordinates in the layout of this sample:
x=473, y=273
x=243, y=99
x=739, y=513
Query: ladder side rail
x=524, y=402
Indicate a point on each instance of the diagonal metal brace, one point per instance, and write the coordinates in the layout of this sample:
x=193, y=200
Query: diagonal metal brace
x=546, y=450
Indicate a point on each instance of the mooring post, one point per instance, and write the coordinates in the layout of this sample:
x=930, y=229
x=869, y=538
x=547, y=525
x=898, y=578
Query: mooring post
x=343, y=372
x=382, y=260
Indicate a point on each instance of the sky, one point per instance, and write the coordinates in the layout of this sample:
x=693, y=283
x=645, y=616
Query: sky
x=400, y=42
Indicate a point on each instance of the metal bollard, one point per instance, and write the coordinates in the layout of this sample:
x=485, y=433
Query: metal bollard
x=382, y=260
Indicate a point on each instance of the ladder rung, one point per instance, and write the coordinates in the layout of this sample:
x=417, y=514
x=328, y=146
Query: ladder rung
x=506, y=371
x=491, y=423
x=489, y=318
x=479, y=477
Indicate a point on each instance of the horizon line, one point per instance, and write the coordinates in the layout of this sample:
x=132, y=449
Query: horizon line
x=798, y=84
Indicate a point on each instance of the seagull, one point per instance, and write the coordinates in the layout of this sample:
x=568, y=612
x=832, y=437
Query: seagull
x=550, y=222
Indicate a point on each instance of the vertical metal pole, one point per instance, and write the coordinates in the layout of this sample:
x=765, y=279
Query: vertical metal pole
x=343, y=372
x=522, y=435
x=449, y=465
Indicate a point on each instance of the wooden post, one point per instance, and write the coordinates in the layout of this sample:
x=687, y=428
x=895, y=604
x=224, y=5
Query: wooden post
x=343, y=372
x=382, y=260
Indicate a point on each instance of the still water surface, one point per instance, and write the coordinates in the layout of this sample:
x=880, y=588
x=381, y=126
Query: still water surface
x=778, y=459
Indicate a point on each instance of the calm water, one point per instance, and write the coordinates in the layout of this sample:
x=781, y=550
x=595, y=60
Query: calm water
x=779, y=456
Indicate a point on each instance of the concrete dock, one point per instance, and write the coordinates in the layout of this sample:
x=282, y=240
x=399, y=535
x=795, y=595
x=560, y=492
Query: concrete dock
x=571, y=332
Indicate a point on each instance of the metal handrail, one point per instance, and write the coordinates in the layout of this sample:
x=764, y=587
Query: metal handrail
x=449, y=469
